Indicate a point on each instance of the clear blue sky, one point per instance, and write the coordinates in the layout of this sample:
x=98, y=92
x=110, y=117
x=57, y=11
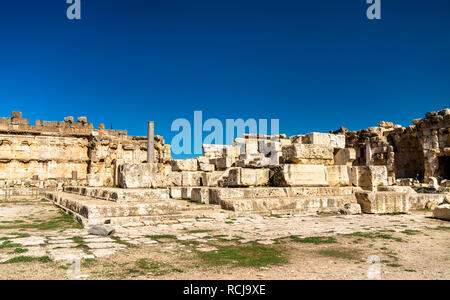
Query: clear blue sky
x=315, y=65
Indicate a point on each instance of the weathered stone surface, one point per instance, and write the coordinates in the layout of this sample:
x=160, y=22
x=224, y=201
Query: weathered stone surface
x=247, y=177
x=206, y=167
x=184, y=165
x=326, y=139
x=442, y=212
x=224, y=163
x=350, y=209
x=308, y=154
x=94, y=180
x=200, y=195
x=101, y=231
x=152, y=175
x=383, y=202
x=369, y=177
x=192, y=178
x=298, y=175
x=337, y=175
x=345, y=157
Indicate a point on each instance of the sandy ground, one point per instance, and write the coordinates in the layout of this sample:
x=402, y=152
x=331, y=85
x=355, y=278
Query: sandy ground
x=410, y=246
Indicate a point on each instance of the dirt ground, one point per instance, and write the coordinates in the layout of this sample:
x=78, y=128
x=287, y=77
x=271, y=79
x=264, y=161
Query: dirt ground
x=33, y=234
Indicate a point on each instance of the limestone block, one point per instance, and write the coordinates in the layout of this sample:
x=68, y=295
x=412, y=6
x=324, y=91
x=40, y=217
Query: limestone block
x=94, y=180
x=442, y=212
x=298, y=175
x=345, y=157
x=184, y=165
x=82, y=120
x=337, y=141
x=176, y=192
x=350, y=209
x=308, y=154
x=200, y=195
x=247, y=177
x=217, y=151
x=192, y=178
x=447, y=199
x=433, y=182
x=383, y=202
x=68, y=119
x=205, y=165
x=250, y=146
x=337, y=175
x=16, y=115
x=397, y=189
x=224, y=163
x=369, y=177
x=326, y=139
x=144, y=175
x=212, y=179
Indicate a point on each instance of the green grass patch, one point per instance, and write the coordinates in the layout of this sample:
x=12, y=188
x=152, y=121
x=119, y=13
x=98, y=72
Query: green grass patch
x=394, y=265
x=88, y=262
x=9, y=244
x=161, y=237
x=144, y=266
x=442, y=228
x=20, y=235
x=244, y=256
x=18, y=251
x=410, y=270
x=375, y=235
x=23, y=259
x=200, y=231
x=61, y=221
x=351, y=254
x=80, y=242
x=316, y=240
x=117, y=240
x=411, y=232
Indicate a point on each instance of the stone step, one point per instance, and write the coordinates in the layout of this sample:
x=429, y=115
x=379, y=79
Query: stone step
x=217, y=194
x=90, y=211
x=120, y=195
x=291, y=205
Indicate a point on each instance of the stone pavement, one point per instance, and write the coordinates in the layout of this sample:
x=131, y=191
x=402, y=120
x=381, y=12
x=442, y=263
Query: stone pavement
x=77, y=243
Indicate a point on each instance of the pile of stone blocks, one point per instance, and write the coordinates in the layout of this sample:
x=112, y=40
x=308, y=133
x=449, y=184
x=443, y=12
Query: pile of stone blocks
x=275, y=200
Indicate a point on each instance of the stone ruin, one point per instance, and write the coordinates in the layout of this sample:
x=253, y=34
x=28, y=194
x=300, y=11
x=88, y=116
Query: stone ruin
x=68, y=153
x=103, y=176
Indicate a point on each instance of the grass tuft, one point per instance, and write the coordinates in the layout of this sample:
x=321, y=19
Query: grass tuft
x=316, y=240
x=244, y=256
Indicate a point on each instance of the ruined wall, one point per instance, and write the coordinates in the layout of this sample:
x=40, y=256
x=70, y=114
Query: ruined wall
x=51, y=153
x=421, y=149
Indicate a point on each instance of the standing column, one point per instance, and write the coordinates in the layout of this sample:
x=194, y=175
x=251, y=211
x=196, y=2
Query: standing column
x=151, y=142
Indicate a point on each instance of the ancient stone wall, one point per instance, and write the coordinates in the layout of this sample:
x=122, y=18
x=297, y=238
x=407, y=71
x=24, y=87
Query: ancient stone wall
x=420, y=150
x=70, y=152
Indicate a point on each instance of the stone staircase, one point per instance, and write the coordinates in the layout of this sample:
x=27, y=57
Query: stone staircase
x=278, y=200
x=99, y=206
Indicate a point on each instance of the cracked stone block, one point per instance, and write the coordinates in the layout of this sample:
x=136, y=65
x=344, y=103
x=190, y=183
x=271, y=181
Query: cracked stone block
x=383, y=202
x=308, y=154
x=298, y=175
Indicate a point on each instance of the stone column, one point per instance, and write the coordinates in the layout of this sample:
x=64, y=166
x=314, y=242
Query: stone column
x=151, y=142
x=368, y=153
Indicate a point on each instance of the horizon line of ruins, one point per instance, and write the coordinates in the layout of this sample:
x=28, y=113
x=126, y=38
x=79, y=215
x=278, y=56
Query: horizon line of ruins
x=382, y=169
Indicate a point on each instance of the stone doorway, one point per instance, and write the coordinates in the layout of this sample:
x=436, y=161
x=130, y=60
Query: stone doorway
x=409, y=158
x=444, y=167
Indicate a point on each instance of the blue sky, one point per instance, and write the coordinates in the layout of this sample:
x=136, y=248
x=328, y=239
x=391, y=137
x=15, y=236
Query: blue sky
x=315, y=65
